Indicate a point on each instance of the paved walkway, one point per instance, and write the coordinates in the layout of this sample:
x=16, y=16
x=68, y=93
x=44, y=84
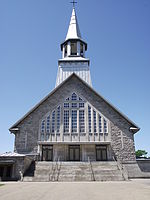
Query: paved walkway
x=131, y=190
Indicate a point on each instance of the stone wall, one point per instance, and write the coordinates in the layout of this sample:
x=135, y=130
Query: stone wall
x=122, y=141
x=144, y=164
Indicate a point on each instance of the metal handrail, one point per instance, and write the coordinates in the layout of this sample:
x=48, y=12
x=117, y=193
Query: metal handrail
x=58, y=168
x=93, y=176
x=51, y=174
x=122, y=168
x=55, y=169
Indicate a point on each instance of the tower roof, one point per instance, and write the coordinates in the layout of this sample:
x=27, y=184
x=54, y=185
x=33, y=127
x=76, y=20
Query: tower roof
x=73, y=30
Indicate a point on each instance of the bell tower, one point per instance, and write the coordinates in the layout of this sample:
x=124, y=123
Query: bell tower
x=73, y=54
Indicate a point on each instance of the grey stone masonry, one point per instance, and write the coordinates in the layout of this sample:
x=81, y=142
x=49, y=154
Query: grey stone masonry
x=121, y=139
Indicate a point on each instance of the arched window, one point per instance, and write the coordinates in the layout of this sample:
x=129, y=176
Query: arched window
x=74, y=97
x=75, y=111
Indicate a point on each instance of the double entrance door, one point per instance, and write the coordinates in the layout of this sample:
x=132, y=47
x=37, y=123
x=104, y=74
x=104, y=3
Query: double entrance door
x=101, y=152
x=74, y=153
x=47, y=153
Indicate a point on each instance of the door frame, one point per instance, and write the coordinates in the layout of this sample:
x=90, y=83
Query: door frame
x=74, y=147
x=104, y=147
x=48, y=149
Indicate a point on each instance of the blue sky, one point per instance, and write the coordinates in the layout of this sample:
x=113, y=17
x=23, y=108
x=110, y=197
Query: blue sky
x=118, y=37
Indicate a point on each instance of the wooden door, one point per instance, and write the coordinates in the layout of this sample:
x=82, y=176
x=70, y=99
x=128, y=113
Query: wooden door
x=101, y=152
x=74, y=153
x=47, y=153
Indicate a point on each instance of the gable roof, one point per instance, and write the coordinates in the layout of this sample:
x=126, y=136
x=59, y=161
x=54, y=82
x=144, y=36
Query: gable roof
x=135, y=128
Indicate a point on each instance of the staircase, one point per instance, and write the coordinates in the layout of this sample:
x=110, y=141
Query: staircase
x=76, y=171
x=107, y=171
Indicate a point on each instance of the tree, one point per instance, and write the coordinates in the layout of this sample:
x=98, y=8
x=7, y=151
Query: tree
x=141, y=154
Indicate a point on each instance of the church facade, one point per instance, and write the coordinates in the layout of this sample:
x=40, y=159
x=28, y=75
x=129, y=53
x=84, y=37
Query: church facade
x=74, y=122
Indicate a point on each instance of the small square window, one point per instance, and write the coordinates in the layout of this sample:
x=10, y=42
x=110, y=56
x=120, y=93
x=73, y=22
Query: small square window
x=66, y=105
x=81, y=105
x=74, y=105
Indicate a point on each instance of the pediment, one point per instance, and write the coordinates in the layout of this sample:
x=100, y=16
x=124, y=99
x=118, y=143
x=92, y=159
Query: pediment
x=77, y=85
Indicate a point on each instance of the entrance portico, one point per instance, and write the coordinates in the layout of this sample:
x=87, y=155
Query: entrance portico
x=75, y=152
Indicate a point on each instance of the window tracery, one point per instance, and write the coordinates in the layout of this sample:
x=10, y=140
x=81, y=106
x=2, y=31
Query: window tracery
x=74, y=111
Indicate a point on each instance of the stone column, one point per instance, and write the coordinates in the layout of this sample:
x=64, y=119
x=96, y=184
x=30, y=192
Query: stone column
x=63, y=52
x=78, y=128
x=70, y=131
x=78, y=48
x=83, y=50
x=68, y=49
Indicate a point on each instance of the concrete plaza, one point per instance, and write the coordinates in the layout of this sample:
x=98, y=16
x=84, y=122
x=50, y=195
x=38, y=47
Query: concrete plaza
x=130, y=190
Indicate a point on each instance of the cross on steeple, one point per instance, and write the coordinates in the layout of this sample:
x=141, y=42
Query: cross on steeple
x=73, y=3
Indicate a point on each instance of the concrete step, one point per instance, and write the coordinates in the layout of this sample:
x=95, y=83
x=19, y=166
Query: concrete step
x=76, y=171
x=27, y=179
x=109, y=178
x=75, y=178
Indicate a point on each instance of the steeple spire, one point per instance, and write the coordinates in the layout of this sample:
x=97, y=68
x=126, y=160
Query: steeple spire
x=73, y=54
x=73, y=30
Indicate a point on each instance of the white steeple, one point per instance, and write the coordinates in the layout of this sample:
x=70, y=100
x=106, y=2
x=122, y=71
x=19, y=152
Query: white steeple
x=73, y=54
x=73, y=30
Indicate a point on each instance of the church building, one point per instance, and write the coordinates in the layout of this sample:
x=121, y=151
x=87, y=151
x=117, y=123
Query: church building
x=74, y=123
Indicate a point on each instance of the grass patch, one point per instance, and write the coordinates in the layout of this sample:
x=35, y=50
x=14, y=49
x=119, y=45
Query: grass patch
x=1, y=185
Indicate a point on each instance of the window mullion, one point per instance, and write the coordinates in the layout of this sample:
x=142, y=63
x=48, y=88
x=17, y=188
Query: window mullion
x=62, y=124
x=86, y=121
x=78, y=131
x=103, y=128
x=97, y=124
x=92, y=123
x=55, y=128
x=70, y=124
